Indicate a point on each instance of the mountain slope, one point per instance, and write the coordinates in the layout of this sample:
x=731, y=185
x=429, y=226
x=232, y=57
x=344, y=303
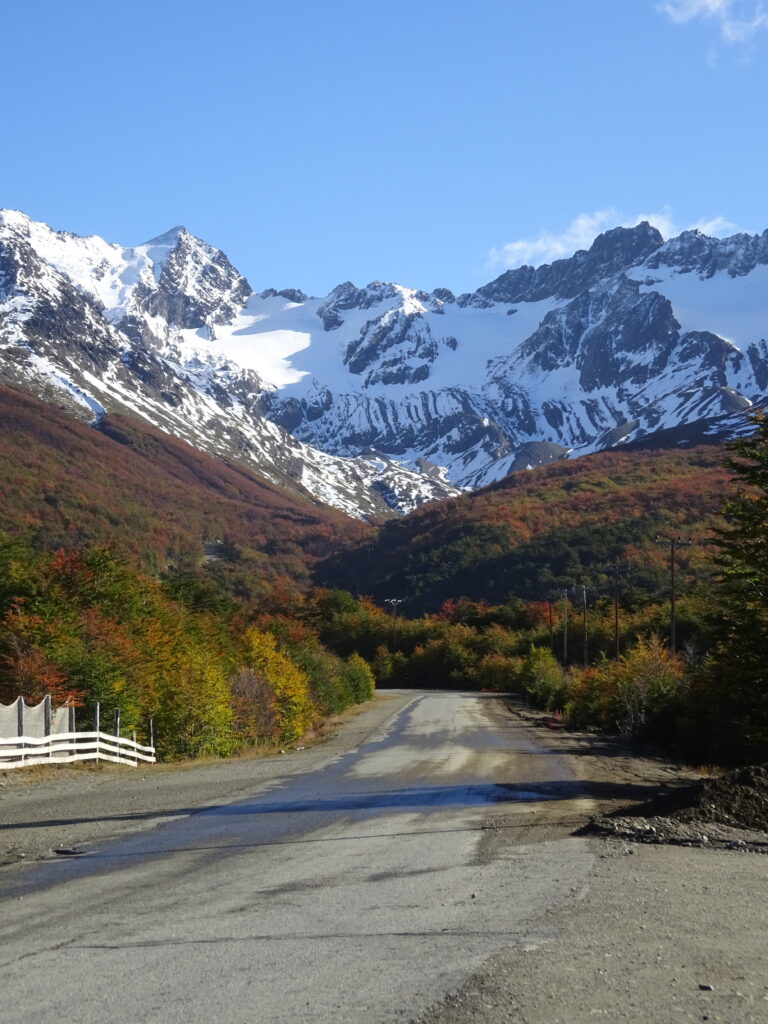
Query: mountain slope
x=634, y=336
x=540, y=530
x=97, y=328
x=159, y=499
x=381, y=398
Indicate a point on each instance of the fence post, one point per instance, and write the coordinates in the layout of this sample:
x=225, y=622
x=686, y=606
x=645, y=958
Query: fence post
x=47, y=718
x=116, y=721
x=152, y=733
x=97, y=728
x=71, y=722
x=20, y=725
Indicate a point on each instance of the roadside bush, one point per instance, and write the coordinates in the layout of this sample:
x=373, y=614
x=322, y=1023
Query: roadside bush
x=293, y=704
x=253, y=705
x=328, y=687
x=543, y=679
x=358, y=677
x=498, y=672
x=587, y=694
x=194, y=712
x=644, y=690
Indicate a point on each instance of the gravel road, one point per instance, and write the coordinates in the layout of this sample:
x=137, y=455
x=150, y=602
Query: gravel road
x=650, y=934
x=45, y=809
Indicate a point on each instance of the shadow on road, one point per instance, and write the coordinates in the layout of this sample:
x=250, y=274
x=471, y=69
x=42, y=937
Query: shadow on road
x=407, y=799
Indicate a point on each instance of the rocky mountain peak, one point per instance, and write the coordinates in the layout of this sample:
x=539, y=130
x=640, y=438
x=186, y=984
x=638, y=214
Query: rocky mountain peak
x=611, y=253
x=169, y=238
x=694, y=252
x=14, y=220
x=620, y=248
x=347, y=296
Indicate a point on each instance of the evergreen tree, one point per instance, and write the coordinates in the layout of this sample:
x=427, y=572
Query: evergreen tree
x=734, y=686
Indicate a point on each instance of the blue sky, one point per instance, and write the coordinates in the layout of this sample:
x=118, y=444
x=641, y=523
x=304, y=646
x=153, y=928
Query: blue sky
x=429, y=143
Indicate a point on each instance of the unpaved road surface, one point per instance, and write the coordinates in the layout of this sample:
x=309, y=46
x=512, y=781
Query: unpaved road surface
x=418, y=865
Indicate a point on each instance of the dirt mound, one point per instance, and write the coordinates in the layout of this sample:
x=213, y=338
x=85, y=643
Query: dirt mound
x=737, y=798
x=730, y=810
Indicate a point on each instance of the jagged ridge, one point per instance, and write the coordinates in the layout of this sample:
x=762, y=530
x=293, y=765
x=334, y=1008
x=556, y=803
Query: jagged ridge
x=373, y=398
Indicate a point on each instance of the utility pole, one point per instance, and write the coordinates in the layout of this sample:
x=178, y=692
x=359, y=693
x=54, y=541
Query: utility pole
x=551, y=625
x=565, y=626
x=673, y=543
x=615, y=568
x=394, y=601
x=584, y=617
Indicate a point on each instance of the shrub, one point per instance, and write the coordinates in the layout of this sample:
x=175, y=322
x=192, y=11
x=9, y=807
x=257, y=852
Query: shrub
x=498, y=672
x=293, y=704
x=543, y=679
x=359, y=678
x=253, y=704
x=644, y=689
x=587, y=689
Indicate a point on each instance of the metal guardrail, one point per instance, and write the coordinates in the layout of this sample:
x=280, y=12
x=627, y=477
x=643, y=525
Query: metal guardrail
x=67, y=747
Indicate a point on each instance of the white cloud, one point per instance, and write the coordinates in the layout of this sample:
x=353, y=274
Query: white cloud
x=548, y=246
x=719, y=227
x=582, y=231
x=737, y=20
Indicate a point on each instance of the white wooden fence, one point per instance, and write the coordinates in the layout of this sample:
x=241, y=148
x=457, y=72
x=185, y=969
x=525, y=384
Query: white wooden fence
x=66, y=747
x=39, y=741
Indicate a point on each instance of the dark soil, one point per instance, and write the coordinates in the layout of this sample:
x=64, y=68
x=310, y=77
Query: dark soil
x=729, y=811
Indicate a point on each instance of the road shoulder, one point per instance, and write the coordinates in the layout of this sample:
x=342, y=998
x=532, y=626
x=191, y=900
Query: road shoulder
x=656, y=933
x=67, y=808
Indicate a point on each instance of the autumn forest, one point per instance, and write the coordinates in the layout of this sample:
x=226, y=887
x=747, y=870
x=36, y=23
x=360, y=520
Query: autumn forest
x=139, y=573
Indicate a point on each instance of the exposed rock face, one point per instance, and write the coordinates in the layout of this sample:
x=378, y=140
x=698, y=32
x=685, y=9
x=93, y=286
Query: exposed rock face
x=373, y=398
x=62, y=341
x=197, y=287
x=610, y=254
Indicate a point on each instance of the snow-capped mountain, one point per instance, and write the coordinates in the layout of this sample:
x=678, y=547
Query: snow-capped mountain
x=633, y=337
x=386, y=396
x=96, y=327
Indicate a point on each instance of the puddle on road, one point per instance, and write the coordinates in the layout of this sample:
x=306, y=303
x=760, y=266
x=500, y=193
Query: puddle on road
x=409, y=798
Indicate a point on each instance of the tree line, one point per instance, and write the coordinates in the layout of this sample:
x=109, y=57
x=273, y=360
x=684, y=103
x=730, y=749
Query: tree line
x=218, y=673
x=85, y=626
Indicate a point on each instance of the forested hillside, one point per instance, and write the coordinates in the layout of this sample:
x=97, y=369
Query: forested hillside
x=137, y=572
x=155, y=498
x=543, y=529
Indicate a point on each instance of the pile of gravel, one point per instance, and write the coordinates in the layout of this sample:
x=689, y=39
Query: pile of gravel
x=730, y=811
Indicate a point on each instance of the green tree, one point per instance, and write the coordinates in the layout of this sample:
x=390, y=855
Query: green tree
x=732, y=690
